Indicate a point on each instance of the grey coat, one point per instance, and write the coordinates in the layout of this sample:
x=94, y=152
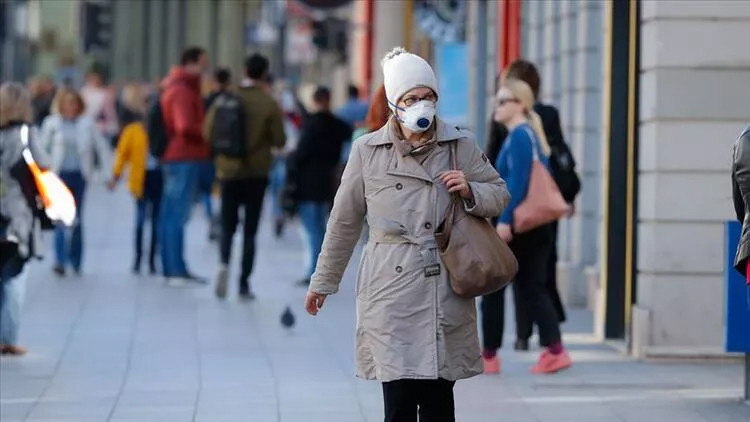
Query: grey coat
x=410, y=325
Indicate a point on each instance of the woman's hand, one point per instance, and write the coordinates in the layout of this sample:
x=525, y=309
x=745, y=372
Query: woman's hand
x=455, y=181
x=314, y=302
x=504, y=231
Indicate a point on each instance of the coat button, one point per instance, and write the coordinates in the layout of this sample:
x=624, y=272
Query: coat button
x=399, y=269
x=399, y=186
x=428, y=225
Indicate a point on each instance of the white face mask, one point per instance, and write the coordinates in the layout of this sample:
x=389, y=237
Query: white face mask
x=418, y=118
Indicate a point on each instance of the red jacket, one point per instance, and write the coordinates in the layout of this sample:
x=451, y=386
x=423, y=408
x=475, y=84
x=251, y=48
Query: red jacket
x=182, y=107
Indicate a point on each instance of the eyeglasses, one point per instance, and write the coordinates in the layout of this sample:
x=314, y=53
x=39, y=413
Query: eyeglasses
x=413, y=99
x=503, y=101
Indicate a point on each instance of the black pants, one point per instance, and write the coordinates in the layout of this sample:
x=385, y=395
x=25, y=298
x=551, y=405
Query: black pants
x=552, y=276
x=432, y=398
x=532, y=250
x=247, y=193
x=147, y=207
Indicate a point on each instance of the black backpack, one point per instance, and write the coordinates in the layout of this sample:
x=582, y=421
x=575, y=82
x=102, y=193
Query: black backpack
x=563, y=170
x=155, y=128
x=228, y=132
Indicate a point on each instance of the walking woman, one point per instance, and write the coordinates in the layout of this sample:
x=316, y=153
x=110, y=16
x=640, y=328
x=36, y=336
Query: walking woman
x=145, y=180
x=74, y=145
x=19, y=226
x=526, y=142
x=413, y=333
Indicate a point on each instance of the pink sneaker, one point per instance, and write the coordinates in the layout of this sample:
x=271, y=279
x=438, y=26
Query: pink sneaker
x=549, y=363
x=491, y=365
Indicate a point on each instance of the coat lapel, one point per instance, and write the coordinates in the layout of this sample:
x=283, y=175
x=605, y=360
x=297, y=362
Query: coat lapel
x=407, y=166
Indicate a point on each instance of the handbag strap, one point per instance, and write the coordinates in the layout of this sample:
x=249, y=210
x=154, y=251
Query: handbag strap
x=534, y=143
x=455, y=200
x=454, y=154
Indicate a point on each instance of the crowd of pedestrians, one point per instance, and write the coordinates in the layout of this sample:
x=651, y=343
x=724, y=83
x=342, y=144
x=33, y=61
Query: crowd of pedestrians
x=386, y=162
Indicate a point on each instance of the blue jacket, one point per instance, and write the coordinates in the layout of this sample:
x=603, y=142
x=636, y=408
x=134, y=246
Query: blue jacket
x=514, y=165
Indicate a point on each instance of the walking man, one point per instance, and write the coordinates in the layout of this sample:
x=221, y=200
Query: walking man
x=244, y=178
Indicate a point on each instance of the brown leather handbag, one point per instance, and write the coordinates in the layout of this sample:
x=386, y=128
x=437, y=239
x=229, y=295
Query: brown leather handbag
x=543, y=203
x=478, y=261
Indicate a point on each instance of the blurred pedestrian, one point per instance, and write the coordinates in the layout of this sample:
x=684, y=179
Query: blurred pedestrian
x=312, y=168
x=183, y=113
x=100, y=104
x=244, y=179
x=222, y=83
x=42, y=90
x=75, y=146
x=19, y=224
x=353, y=112
x=562, y=165
x=526, y=142
x=377, y=115
x=740, y=195
x=145, y=176
x=413, y=333
x=292, y=125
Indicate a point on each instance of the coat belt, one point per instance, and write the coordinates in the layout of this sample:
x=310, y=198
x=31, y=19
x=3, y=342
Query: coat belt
x=427, y=246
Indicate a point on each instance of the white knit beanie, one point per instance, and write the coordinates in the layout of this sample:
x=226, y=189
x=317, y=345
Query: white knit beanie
x=404, y=71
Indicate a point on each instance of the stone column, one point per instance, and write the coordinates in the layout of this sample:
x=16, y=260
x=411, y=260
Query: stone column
x=389, y=33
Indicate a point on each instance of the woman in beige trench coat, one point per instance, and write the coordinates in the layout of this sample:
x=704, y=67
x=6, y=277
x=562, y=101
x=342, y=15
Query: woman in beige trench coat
x=413, y=333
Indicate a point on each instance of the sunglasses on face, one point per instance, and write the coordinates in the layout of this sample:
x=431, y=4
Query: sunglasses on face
x=413, y=99
x=502, y=101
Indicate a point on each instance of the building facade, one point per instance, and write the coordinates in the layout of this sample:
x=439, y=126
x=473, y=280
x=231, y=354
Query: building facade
x=651, y=99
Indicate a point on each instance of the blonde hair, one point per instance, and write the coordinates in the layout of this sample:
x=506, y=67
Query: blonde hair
x=134, y=97
x=15, y=103
x=60, y=97
x=523, y=93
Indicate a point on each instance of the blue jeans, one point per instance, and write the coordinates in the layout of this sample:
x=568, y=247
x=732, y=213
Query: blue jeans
x=13, y=290
x=147, y=207
x=206, y=176
x=313, y=216
x=180, y=190
x=71, y=250
x=278, y=175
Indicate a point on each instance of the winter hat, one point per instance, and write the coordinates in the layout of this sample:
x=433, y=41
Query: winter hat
x=404, y=71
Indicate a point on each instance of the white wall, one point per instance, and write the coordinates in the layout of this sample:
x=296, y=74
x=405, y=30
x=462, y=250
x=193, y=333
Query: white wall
x=695, y=86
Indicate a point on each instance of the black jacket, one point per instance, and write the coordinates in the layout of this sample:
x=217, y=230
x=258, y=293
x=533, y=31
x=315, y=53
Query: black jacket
x=497, y=135
x=741, y=196
x=312, y=166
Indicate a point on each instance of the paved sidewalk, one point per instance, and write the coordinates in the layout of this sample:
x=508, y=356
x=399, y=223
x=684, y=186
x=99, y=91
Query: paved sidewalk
x=110, y=346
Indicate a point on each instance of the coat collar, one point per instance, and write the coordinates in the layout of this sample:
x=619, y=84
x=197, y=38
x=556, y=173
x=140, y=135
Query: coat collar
x=445, y=132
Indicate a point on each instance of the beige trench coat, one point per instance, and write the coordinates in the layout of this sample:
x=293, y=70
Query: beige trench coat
x=410, y=325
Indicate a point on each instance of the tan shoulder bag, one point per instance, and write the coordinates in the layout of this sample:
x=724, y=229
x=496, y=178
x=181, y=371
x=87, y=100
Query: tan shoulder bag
x=543, y=203
x=477, y=259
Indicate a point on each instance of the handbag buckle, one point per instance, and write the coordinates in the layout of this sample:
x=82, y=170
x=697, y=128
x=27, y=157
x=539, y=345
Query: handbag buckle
x=432, y=270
